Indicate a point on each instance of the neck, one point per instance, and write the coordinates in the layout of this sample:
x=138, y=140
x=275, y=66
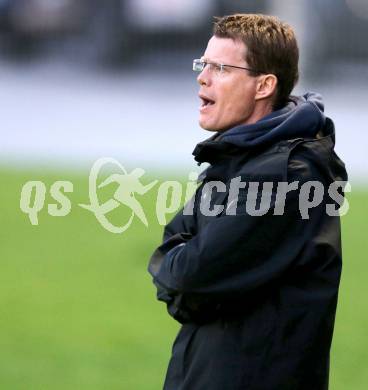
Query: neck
x=260, y=110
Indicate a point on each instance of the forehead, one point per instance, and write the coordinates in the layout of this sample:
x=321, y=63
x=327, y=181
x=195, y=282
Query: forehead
x=225, y=50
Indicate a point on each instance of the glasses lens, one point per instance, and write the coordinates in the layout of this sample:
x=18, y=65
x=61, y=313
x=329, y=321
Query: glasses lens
x=198, y=65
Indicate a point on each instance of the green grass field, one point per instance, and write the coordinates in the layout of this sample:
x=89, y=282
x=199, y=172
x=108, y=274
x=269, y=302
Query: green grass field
x=78, y=309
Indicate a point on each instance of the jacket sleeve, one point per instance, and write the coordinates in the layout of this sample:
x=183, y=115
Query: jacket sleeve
x=178, y=231
x=181, y=223
x=237, y=255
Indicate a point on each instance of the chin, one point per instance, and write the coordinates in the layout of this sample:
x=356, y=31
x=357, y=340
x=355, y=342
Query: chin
x=205, y=126
x=214, y=128
x=209, y=127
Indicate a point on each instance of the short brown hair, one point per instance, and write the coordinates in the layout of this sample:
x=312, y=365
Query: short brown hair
x=271, y=44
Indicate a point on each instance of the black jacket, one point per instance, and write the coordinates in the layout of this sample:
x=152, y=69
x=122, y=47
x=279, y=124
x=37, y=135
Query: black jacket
x=256, y=294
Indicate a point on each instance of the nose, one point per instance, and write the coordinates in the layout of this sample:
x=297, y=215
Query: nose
x=204, y=77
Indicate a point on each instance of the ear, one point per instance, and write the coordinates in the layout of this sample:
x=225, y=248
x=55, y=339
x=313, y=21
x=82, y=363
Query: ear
x=266, y=86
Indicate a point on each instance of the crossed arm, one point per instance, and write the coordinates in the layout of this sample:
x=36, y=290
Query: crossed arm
x=232, y=257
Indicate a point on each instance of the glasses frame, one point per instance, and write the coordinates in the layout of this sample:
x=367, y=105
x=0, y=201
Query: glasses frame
x=203, y=64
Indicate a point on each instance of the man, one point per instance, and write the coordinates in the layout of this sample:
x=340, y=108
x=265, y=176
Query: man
x=254, y=287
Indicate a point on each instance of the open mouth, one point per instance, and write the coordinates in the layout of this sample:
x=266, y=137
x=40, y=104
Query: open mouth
x=206, y=102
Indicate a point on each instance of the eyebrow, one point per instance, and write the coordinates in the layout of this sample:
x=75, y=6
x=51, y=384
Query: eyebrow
x=205, y=59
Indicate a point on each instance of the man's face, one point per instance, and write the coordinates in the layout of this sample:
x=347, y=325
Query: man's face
x=227, y=98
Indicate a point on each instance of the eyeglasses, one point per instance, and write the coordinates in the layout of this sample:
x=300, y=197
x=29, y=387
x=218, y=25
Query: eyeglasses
x=199, y=65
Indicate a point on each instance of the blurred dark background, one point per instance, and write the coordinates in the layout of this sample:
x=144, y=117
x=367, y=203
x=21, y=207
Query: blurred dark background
x=122, y=31
x=73, y=67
